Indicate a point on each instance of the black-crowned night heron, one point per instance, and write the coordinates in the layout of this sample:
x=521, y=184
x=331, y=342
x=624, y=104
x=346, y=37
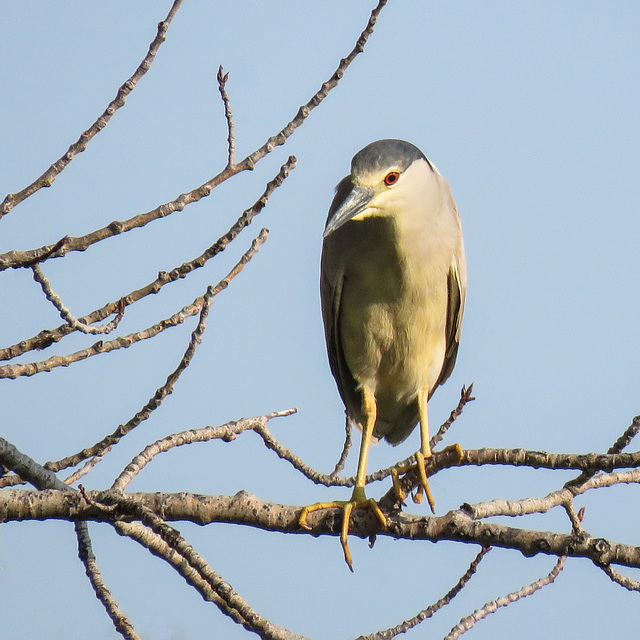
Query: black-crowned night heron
x=393, y=283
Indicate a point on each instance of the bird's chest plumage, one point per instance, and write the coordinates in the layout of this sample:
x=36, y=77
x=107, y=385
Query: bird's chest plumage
x=392, y=320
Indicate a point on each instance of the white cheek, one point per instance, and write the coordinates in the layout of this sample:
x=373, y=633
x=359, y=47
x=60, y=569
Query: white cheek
x=370, y=212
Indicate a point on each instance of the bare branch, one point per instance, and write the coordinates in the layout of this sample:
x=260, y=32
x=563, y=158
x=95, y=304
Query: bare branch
x=19, y=259
x=403, y=627
x=31, y=368
x=50, y=336
x=85, y=553
x=553, y=499
x=231, y=136
x=491, y=607
x=47, y=178
x=623, y=581
x=232, y=600
x=249, y=510
x=226, y=432
x=158, y=547
x=348, y=430
x=66, y=314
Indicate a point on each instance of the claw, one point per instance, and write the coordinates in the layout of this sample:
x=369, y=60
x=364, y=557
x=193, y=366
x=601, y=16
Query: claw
x=424, y=481
x=358, y=501
x=397, y=487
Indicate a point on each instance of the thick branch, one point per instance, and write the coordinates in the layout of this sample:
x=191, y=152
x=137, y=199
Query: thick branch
x=247, y=509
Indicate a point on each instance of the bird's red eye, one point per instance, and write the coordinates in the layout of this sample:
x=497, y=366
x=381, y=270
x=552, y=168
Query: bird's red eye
x=391, y=178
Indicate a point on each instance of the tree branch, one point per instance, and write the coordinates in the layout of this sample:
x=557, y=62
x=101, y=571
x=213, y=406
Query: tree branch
x=247, y=509
x=124, y=342
x=47, y=178
x=50, y=336
x=20, y=259
x=491, y=607
x=403, y=627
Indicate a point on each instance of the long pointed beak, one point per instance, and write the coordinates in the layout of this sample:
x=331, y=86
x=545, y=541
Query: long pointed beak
x=356, y=202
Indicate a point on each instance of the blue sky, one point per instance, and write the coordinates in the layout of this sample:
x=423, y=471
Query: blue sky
x=530, y=110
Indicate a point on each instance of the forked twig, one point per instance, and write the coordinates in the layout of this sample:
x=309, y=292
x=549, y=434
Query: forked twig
x=50, y=336
x=491, y=607
x=124, y=342
x=66, y=314
x=227, y=432
x=428, y=612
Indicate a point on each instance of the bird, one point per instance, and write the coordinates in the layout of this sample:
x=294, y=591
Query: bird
x=392, y=286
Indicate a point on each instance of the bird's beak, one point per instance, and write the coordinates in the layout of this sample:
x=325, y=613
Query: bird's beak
x=356, y=202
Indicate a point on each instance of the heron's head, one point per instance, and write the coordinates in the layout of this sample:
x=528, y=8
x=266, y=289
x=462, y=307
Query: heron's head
x=387, y=177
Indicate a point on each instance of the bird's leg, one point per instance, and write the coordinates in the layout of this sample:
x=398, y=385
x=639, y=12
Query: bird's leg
x=358, y=497
x=423, y=454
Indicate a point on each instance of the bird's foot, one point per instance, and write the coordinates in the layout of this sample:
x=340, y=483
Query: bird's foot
x=358, y=501
x=423, y=483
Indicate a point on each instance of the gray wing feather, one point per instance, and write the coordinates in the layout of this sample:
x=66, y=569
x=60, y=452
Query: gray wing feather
x=455, y=308
x=331, y=287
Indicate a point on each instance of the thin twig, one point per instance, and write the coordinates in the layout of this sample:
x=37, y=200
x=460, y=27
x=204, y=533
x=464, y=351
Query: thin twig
x=465, y=398
x=491, y=607
x=85, y=468
x=231, y=136
x=227, y=432
x=623, y=581
x=47, y=178
x=66, y=314
x=50, y=336
x=348, y=432
x=32, y=368
x=85, y=553
x=403, y=627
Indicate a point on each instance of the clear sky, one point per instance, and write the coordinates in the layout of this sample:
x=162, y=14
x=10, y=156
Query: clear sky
x=530, y=110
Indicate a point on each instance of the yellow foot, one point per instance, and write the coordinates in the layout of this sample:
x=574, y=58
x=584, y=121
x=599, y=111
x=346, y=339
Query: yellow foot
x=358, y=501
x=423, y=483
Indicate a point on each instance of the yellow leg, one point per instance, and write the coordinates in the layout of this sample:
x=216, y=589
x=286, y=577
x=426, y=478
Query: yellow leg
x=421, y=456
x=425, y=450
x=358, y=498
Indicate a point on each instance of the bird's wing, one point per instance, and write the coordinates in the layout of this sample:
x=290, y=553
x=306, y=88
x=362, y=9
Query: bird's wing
x=456, y=290
x=331, y=287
